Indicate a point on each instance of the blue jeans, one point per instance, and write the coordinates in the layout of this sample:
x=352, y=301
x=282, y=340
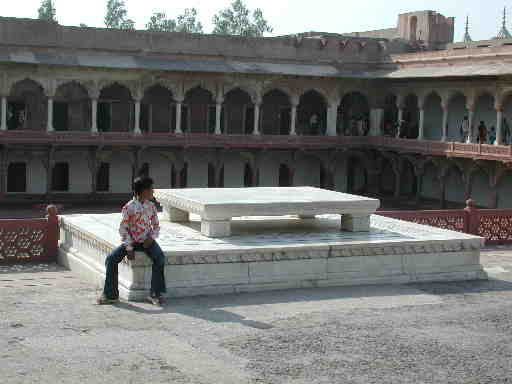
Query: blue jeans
x=154, y=252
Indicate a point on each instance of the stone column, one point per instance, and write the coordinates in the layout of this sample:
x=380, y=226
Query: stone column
x=49, y=122
x=376, y=116
x=3, y=125
x=256, y=130
x=178, y=116
x=332, y=116
x=293, y=120
x=3, y=171
x=136, y=126
x=445, y=122
x=94, y=115
x=471, y=116
x=422, y=124
x=499, y=125
x=218, y=112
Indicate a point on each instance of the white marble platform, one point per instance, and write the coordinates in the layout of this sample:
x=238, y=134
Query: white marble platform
x=266, y=253
x=217, y=206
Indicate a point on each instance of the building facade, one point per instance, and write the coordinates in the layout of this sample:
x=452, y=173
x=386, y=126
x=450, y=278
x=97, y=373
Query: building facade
x=403, y=112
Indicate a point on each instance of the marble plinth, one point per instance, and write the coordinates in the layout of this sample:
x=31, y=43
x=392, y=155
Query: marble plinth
x=268, y=253
x=217, y=206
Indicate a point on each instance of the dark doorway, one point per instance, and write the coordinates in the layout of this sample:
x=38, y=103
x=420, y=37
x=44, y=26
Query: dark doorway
x=17, y=177
x=60, y=177
x=103, y=178
x=285, y=176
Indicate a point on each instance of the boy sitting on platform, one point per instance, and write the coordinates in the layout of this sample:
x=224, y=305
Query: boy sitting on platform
x=139, y=229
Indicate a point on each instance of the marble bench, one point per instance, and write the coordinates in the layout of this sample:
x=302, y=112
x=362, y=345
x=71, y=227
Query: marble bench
x=217, y=206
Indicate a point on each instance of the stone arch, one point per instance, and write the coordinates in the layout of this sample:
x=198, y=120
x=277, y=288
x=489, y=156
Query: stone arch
x=248, y=89
x=433, y=124
x=430, y=181
x=355, y=114
x=71, y=107
x=457, y=113
x=27, y=106
x=312, y=114
x=200, y=110
x=115, y=108
x=158, y=112
x=239, y=111
x=276, y=113
x=485, y=115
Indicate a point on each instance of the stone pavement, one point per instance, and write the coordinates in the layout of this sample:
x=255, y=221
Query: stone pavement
x=422, y=333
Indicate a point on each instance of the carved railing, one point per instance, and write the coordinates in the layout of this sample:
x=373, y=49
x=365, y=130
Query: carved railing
x=426, y=147
x=495, y=225
x=27, y=240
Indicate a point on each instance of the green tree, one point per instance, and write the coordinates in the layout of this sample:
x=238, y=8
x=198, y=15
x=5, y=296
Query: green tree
x=160, y=23
x=187, y=22
x=47, y=11
x=82, y=25
x=116, y=16
x=236, y=20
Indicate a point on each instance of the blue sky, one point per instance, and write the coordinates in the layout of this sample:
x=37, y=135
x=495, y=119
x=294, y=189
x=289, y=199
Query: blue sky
x=289, y=16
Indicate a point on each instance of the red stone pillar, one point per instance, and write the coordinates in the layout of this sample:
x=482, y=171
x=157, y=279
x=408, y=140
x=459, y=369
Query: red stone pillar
x=52, y=233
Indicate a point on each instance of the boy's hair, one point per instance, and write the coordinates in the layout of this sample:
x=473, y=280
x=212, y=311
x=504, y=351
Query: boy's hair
x=140, y=184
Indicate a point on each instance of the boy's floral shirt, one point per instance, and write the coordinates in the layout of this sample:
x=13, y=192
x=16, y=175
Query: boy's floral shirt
x=139, y=222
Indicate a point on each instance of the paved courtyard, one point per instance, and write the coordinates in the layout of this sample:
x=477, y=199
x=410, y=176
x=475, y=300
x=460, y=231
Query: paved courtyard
x=51, y=332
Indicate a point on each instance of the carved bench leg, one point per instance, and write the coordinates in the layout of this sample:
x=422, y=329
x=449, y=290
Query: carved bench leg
x=216, y=228
x=354, y=223
x=176, y=215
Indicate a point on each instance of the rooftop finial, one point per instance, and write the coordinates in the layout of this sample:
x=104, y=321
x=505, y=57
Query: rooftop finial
x=467, y=37
x=504, y=33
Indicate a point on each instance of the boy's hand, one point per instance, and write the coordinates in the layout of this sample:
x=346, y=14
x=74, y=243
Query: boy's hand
x=130, y=255
x=147, y=243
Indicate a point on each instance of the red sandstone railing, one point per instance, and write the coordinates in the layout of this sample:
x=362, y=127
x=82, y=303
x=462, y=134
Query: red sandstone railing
x=495, y=225
x=203, y=140
x=27, y=240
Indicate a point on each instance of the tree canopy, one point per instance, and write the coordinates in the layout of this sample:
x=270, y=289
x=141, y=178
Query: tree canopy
x=47, y=11
x=187, y=22
x=116, y=16
x=236, y=20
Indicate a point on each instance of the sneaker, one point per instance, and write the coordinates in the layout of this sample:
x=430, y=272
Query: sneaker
x=104, y=300
x=153, y=300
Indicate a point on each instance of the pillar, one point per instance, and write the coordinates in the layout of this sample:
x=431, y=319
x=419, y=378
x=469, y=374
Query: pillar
x=419, y=187
x=445, y=122
x=136, y=127
x=422, y=124
x=3, y=171
x=332, y=116
x=94, y=115
x=178, y=117
x=376, y=116
x=499, y=126
x=218, y=112
x=49, y=122
x=256, y=130
x=3, y=125
x=471, y=116
x=400, y=118
x=293, y=120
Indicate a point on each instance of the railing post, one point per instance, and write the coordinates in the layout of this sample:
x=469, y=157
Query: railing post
x=52, y=233
x=471, y=220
